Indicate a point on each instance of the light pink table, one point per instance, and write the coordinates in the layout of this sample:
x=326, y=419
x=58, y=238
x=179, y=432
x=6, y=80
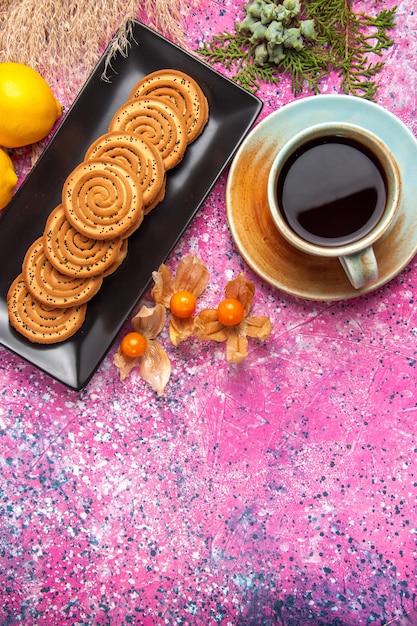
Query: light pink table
x=279, y=491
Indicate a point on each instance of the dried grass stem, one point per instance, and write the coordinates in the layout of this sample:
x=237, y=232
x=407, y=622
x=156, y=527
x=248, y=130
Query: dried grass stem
x=64, y=38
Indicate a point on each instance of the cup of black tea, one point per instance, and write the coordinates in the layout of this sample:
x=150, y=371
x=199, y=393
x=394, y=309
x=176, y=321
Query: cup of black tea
x=333, y=191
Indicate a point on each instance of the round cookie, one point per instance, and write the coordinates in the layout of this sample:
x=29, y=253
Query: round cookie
x=102, y=199
x=183, y=91
x=38, y=323
x=158, y=122
x=51, y=287
x=135, y=154
x=73, y=253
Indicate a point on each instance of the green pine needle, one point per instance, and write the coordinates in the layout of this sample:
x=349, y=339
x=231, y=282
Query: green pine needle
x=346, y=42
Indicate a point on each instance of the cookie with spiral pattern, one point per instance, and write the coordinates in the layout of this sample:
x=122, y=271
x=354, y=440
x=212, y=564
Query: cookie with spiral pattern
x=39, y=323
x=73, y=253
x=51, y=287
x=182, y=91
x=102, y=199
x=136, y=154
x=158, y=122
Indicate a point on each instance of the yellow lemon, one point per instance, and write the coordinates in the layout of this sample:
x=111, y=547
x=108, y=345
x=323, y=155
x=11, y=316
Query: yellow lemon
x=28, y=108
x=8, y=179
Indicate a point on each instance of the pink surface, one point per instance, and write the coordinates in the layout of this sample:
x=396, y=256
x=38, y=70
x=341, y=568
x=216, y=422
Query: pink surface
x=278, y=491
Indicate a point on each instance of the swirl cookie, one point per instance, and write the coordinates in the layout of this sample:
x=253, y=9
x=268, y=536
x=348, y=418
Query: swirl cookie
x=52, y=288
x=102, y=199
x=136, y=155
x=158, y=122
x=40, y=323
x=180, y=89
x=73, y=253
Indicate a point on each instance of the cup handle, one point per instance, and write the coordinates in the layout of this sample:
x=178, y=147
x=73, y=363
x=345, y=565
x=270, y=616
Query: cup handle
x=361, y=268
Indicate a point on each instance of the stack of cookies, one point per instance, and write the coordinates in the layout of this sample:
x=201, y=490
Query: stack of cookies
x=104, y=200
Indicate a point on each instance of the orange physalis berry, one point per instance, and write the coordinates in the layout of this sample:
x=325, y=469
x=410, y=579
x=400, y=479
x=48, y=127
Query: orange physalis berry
x=133, y=344
x=183, y=304
x=230, y=312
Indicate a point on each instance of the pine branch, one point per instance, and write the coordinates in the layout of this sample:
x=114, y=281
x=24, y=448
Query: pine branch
x=345, y=42
x=352, y=38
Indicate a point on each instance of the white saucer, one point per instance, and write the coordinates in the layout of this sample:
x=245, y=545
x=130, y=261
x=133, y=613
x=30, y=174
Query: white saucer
x=251, y=225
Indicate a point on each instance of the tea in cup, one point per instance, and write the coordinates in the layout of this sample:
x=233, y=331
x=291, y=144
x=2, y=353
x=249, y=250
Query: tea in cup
x=333, y=191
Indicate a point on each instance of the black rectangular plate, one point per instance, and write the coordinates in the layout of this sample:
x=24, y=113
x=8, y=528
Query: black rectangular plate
x=232, y=113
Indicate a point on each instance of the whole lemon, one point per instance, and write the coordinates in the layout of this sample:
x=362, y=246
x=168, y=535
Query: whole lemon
x=28, y=108
x=8, y=179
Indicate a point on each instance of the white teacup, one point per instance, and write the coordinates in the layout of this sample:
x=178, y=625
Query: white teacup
x=333, y=191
